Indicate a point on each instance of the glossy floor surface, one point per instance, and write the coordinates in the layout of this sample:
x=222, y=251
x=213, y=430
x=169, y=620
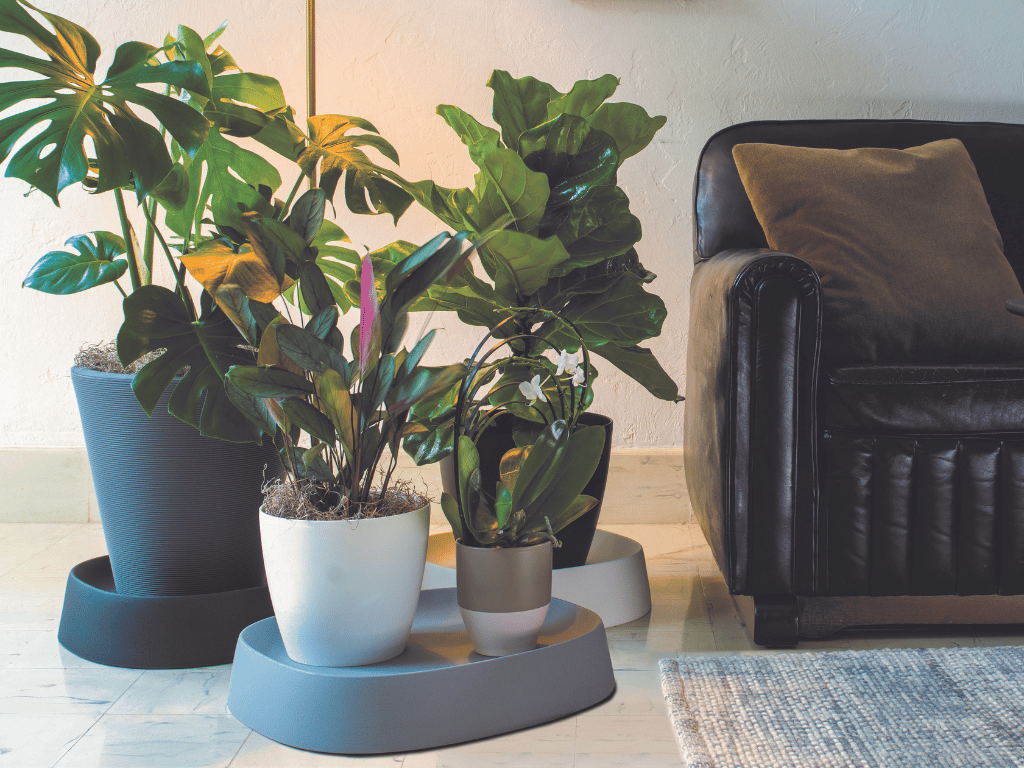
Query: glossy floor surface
x=59, y=710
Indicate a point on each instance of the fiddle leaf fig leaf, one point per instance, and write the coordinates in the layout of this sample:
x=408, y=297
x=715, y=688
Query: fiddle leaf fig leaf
x=467, y=127
x=76, y=106
x=598, y=228
x=629, y=125
x=575, y=159
x=522, y=263
x=584, y=98
x=641, y=365
x=93, y=263
x=505, y=185
x=367, y=188
x=156, y=318
x=625, y=314
x=519, y=104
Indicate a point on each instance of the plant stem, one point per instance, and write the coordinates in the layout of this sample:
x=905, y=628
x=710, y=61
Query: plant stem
x=129, y=241
x=291, y=195
x=186, y=297
x=118, y=286
x=148, y=245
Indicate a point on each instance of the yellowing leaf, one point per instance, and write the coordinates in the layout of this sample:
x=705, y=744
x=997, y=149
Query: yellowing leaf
x=214, y=262
x=337, y=404
x=270, y=353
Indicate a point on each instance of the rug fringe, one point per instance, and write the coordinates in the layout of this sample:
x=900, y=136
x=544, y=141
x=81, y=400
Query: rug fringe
x=692, y=748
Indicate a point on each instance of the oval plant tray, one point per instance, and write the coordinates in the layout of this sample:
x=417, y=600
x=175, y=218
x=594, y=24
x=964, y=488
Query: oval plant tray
x=613, y=583
x=99, y=624
x=437, y=692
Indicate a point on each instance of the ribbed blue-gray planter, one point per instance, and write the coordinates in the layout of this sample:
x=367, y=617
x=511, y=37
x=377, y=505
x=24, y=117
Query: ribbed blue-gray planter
x=180, y=512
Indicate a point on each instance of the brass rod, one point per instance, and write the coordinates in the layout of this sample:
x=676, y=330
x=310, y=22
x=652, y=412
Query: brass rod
x=311, y=69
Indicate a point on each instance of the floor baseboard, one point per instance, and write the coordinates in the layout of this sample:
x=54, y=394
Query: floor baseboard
x=53, y=485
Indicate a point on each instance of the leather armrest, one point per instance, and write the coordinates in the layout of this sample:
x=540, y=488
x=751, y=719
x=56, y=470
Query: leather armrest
x=750, y=421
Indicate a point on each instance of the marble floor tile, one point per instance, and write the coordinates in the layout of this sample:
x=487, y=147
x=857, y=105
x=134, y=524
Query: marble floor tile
x=453, y=758
x=62, y=691
x=625, y=735
x=45, y=652
x=637, y=694
x=39, y=741
x=36, y=534
x=260, y=752
x=177, y=692
x=18, y=640
x=158, y=741
x=6, y=659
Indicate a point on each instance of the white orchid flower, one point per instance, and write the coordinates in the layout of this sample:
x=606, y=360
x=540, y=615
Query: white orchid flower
x=531, y=389
x=566, y=363
x=578, y=378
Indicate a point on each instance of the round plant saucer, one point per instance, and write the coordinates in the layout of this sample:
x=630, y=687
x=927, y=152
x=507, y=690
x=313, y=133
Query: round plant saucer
x=437, y=692
x=613, y=583
x=100, y=625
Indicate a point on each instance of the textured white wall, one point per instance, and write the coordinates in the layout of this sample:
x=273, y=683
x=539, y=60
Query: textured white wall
x=703, y=63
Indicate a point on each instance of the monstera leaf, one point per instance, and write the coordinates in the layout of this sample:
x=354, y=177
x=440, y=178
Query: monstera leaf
x=341, y=159
x=93, y=263
x=156, y=318
x=76, y=106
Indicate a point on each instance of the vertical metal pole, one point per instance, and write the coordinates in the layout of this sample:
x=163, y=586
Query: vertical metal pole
x=311, y=69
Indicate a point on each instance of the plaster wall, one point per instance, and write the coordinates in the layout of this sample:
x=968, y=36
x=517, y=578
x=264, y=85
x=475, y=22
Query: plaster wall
x=704, y=64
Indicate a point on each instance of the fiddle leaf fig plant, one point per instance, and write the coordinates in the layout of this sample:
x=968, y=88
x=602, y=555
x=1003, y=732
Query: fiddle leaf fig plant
x=547, y=184
x=206, y=199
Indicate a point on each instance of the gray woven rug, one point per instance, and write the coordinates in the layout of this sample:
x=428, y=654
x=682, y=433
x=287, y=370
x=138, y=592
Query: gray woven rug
x=922, y=707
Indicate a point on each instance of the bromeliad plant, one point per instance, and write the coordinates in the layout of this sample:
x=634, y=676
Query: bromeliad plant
x=548, y=182
x=214, y=196
x=349, y=411
x=540, y=481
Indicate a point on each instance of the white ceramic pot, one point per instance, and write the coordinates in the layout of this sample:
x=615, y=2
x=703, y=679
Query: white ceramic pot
x=345, y=592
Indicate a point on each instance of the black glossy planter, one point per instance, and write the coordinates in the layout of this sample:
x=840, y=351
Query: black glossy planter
x=576, y=537
x=180, y=511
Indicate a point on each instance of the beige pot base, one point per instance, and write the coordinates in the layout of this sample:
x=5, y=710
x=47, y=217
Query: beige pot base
x=502, y=634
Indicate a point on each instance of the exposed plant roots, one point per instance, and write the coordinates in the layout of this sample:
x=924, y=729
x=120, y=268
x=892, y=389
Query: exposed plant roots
x=103, y=358
x=308, y=500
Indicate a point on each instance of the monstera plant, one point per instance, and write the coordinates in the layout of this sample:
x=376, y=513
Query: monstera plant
x=204, y=197
x=563, y=237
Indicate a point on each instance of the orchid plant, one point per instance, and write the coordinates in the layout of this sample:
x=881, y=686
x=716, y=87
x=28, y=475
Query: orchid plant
x=538, y=490
x=338, y=416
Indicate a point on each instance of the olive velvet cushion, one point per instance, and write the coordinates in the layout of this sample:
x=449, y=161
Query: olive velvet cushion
x=911, y=263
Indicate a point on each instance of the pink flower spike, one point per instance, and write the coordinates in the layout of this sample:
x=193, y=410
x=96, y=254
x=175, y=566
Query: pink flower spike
x=368, y=311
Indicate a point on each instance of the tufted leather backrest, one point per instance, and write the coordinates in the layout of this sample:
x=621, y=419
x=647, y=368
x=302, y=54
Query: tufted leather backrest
x=724, y=218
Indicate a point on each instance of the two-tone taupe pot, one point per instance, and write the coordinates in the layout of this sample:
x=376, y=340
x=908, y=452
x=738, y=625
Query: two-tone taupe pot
x=503, y=594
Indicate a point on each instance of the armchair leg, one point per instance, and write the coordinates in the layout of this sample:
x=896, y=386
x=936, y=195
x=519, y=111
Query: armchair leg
x=776, y=621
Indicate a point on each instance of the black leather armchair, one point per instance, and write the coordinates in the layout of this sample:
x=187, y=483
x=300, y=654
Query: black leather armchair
x=863, y=481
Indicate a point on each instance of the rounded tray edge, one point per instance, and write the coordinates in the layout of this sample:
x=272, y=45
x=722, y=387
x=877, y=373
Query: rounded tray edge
x=180, y=632
x=417, y=709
